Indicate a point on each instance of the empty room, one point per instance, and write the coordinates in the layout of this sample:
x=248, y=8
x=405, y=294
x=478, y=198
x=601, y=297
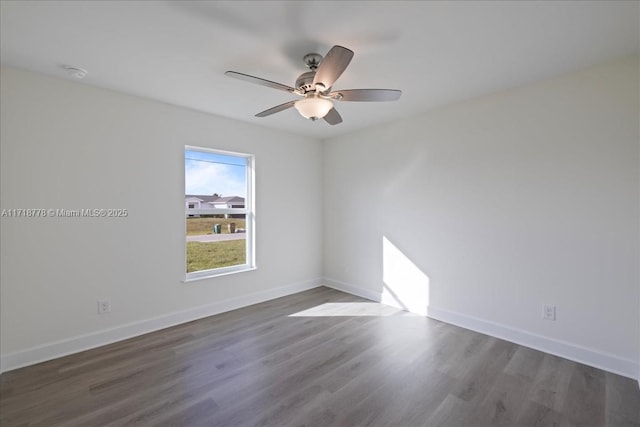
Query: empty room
x=320, y=213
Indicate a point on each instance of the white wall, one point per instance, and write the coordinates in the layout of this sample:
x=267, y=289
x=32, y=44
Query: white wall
x=481, y=212
x=69, y=145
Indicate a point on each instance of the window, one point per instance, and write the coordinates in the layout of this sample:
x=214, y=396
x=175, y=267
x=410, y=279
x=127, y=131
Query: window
x=218, y=212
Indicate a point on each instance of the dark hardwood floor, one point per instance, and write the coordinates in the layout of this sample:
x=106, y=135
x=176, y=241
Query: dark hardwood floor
x=318, y=358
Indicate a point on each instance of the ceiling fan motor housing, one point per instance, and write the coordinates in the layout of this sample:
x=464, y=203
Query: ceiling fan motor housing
x=305, y=81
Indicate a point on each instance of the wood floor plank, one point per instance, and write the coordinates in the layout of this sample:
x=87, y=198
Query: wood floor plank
x=551, y=384
x=371, y=381
x=482, y=372
x=368, y=378
x=585, y=401
x=452, y=412
x=525, y=363
x=407, y=397
x=622, y=404
x=536, y=415
x=502, y=404
x=317, y=358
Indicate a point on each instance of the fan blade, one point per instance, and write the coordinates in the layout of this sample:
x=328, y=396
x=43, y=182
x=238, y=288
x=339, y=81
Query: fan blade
x=366, y=95
x=259, y=81
x=332, y=117
x=276, y=109
x=332, y=66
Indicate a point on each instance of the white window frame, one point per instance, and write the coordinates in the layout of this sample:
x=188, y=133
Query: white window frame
x=248, y=211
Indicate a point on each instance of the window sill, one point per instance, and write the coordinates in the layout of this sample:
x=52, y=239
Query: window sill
x=212, y=274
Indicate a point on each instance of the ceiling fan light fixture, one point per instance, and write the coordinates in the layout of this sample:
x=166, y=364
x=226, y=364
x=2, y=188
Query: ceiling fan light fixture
x=313, y=107
x=315, y=87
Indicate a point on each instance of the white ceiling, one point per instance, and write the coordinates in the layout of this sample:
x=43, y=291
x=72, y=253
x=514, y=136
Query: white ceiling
x=437, y=53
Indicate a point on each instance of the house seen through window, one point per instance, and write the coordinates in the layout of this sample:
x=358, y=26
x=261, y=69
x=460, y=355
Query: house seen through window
x=218, y=212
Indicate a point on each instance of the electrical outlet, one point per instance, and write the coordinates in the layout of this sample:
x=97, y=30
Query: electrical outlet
x=104, y=306
x=549, y=312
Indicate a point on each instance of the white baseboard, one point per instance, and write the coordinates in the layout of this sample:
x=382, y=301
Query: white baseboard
x=353, y=290
x=597, y=359
x=77, y=344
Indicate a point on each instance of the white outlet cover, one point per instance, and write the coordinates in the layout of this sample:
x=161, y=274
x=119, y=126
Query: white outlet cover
x=104, y=306
x=549, y=312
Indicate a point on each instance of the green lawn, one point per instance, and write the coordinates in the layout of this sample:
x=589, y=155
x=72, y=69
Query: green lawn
x=205, y=256
x=199, y=226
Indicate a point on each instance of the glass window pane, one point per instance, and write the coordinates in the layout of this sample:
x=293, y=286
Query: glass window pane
x=215, y=180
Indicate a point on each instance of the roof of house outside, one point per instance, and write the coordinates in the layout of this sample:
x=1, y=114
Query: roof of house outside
x=229, y=199
x=216, y=199
x=201, y=197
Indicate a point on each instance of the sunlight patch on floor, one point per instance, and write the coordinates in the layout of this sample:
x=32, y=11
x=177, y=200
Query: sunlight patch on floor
x=334, y=309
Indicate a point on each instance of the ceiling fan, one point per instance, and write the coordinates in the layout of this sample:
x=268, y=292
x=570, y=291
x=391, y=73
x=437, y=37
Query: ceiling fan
x=315, y=87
